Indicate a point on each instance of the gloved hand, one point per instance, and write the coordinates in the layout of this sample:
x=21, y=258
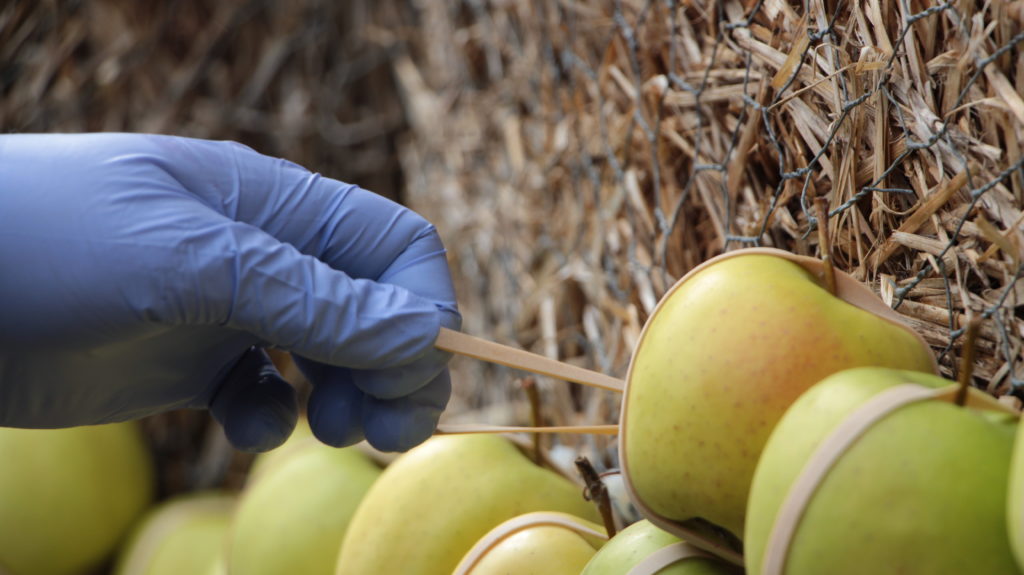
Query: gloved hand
x=141, y=273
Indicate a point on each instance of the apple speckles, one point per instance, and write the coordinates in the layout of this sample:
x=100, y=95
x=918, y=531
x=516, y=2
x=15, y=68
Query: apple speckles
x=470, y=479
x=926, y=475
x=754, y=344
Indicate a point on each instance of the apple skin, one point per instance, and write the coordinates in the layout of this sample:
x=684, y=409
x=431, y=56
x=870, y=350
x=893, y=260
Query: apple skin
x=541, y=543
x=80, y=489
x=634, y=543
x=538, y=551
x=728, y=349
x=923, y=491
x=219, y=566
x=294, y=517
x=435, y=502
x=270, y=459
x=182, y=535
x=1015, y=508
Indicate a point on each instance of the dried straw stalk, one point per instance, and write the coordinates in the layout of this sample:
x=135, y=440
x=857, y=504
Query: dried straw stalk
x=578, y=157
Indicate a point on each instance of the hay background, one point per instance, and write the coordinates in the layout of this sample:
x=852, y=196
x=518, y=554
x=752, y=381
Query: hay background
x=578, y=157
x=587, y=155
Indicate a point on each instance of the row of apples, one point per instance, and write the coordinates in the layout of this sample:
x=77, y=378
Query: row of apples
x=923, y=492
x=776, y=417
x=786, y=404
x=470, y=504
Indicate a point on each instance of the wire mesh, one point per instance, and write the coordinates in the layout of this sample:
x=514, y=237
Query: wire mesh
x=590, y=153
x=579, y=157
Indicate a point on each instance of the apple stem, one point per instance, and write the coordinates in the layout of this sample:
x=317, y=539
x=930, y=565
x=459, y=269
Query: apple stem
x=529, y=386
x=967, y=357
x=824, y=244
x=597, y=492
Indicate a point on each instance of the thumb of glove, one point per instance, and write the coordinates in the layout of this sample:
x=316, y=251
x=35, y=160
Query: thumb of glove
x=255, y=405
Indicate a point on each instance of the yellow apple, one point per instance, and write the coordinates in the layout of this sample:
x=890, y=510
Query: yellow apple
x=726, y=351
x=876, y=471
x=539, y=543
x=183, y=535
x=293, y=518
x=296, y=441
x=219, y=565
x=69, y=496
x=632, y=549
x=433, y=503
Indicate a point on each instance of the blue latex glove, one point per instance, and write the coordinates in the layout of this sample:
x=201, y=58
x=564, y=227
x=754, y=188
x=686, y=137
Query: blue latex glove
x=138, y=272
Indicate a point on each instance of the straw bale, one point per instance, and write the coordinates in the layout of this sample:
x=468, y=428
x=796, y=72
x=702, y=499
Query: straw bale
x=579, y=157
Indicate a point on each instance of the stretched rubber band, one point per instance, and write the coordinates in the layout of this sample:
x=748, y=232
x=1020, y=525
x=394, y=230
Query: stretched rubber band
x=515, y=525
x=467, y=428
x=666, y=556
x=470, y=346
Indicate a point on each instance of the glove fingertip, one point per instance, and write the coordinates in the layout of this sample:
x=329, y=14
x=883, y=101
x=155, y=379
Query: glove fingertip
x=260, y=422
x=401, y=424
x=336, y=433
x=334, y=413
x=396, y=426
x=400, y=381
x=255, y=405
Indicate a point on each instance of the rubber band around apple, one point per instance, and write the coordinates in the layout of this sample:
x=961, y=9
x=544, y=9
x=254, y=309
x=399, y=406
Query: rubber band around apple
x=835, y=445
x=495, y=536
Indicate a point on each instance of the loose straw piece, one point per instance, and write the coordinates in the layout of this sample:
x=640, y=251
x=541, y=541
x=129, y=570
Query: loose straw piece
x=928, y=207
x=597, y=492
x=825, y=244
x=467, y=345
x=468, y=428
x=530, y=388
x=967, y=358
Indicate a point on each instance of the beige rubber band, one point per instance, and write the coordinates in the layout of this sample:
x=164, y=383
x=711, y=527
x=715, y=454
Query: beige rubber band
x=666, y=556
x=515, y=525
x=826, y=455
x=470, y=346
x=469, y=428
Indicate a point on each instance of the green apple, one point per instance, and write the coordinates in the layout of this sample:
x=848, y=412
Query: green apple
x=296, y=441
x=630, y=547
x=219, y=565
x=917, y=487
x=1015, y=508
x=69, y=496
x=433, y=503
x=293, y=519
x=726, y=351
x=539, y=543
x=183, y=535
